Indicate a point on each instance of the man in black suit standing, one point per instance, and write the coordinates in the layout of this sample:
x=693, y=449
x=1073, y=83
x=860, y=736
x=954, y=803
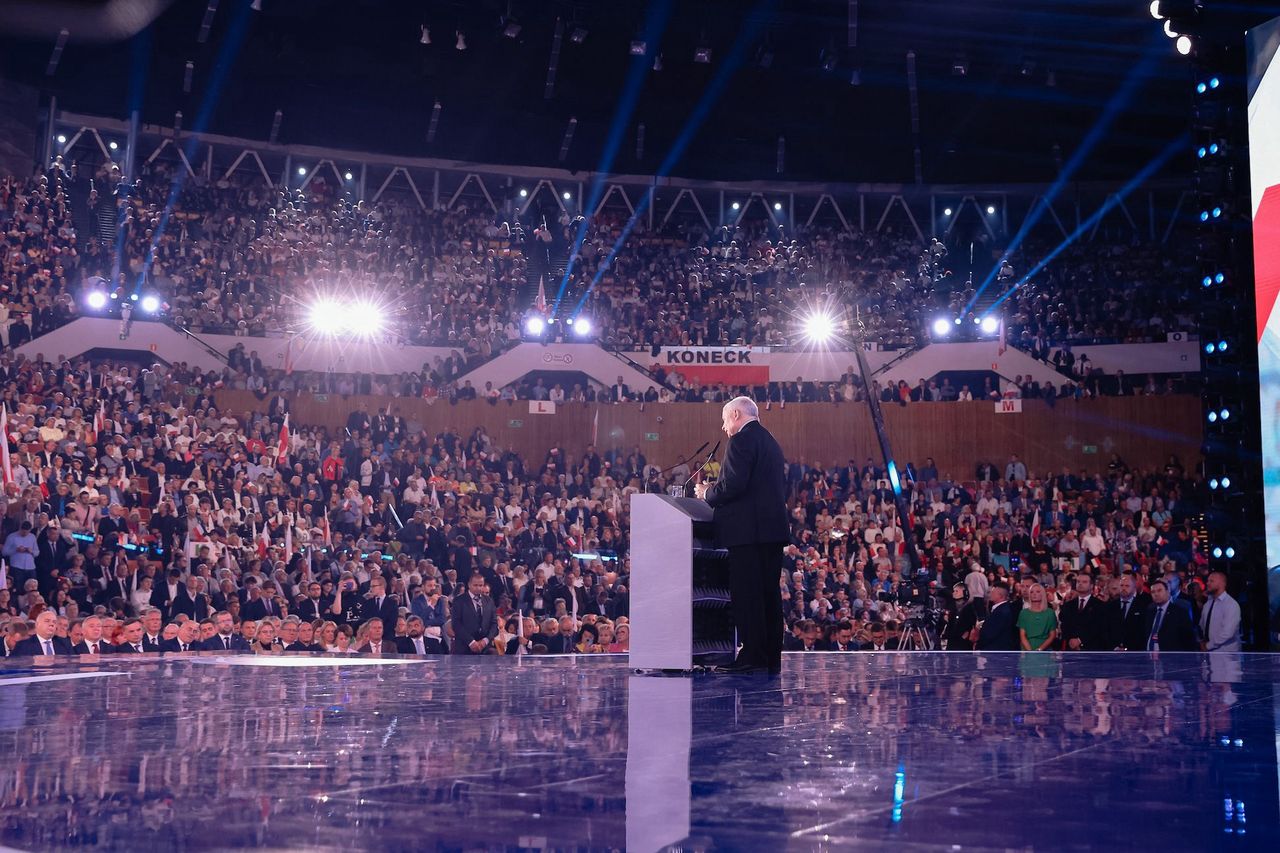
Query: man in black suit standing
x=750, y=520
x=1084, y=624
x=1166, y=626
x=996, y=633
x=475, y=623
x=1125, y=616
x=379, y=605
x=45, y=640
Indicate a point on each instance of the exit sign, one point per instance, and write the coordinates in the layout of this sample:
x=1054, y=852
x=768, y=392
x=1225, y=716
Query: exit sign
x=515, y=423
x=1090, y=448
x=650, y=436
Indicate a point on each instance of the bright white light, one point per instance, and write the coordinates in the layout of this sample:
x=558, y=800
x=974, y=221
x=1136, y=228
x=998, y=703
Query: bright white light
x=991, y=209
x=818, y=328
x=990, y=325
x=348, y=175
x=941, y=327
x=777, y=205
x=535, y=325
x=365, y=318
x=567, y=195
x=1183, y=44
x=327, y=318
x=302, y=171
x=62, y=140
x=113, y=145
x=97, y=300
x=735, y=206
x=946, y=211
x=582, y=327
x=524, y=193
x=1169, y=30
x=150, y=304
x=1155, y=9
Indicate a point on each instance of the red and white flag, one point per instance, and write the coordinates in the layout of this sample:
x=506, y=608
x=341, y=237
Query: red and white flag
x=540, y=303
x=1035, y=525
x=263, y=540
x=1004, y=340
x=595, y=425
x=99, y=421
x=282, y=456
x=4, y=444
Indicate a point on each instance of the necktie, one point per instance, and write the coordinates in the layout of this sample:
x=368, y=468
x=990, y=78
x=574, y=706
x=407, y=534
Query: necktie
x=48, y=647
x=93, y=648
x=1208, y=617
x=138, y=648
x=1125, y=610
x=182, y=646
x=226, y=643
x=417, y=644
x=1154, y=642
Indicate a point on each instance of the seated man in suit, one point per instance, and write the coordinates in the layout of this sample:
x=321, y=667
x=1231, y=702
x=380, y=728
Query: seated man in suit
x=1166, y=626
x=475, y=622
x=549, y=638
x=93, y=642
x=375, y=644
x=996, y=634
x=45, y=640
x=227, y=638
x=132, y=645
x=186, y=641
x=417, y=643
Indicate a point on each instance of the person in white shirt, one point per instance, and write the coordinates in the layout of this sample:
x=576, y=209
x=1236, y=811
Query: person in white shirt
x=1092, y=540
x=1220, y=619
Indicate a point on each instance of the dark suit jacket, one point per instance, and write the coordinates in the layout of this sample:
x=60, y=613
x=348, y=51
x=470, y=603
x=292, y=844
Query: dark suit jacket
x=174, y=646
x=404, y=646
x=468, y=625
x=388, y=648
x=1089, y=626
x=238, y=643
x=310, y=610
x=1177, y=632
x=1127, y=632
x=82, y=648
x=750, y=498
x=389, y=612
x=256, y=610
x=31, y=647
x=149, y=645
x=996, y=634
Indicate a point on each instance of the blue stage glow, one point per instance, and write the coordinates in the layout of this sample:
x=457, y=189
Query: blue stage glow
x=893, y=478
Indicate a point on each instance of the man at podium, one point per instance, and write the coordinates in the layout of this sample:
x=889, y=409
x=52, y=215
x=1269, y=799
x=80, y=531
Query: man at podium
x=750, y=520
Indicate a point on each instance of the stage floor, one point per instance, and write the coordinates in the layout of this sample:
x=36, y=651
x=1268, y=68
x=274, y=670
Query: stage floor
x=959, y=751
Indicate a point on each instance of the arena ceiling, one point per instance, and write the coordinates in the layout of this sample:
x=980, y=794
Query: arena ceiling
x=1038, y=75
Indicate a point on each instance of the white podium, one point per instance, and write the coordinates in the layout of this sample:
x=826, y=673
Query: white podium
x=679, y=586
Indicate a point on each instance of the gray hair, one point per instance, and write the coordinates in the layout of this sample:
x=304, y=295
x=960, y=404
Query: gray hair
x=745, y=405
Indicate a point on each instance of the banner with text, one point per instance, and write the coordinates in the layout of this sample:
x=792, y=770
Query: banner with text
x=732, y=365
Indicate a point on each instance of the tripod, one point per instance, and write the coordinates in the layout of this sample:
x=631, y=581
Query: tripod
x=915, y=636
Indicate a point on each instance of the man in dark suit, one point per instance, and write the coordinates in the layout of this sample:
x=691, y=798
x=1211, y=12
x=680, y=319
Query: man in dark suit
x=417, y=643
x=259, y=606
x=93, y=643
x=314, y=606
x=132, y=645
x=750, y=520
x=1125, y=617
x=996, y=634
x=227, y=638
x=1166, y=626
x=1084, y=622
x=45, y=640
x=186, y=640
x=475, y=622
x=379, y=605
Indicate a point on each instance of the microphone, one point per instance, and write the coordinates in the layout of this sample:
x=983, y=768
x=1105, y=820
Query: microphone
x=677, y=465
x=707, y=462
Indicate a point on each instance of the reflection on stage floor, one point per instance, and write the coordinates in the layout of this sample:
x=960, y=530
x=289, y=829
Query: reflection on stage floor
x=918, y=749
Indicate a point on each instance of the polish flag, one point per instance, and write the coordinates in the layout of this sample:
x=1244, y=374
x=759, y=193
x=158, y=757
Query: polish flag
x=263, y=538
x=282, y=456
x=540, y=303
x=288, y=539
x=99, y=422
x=1035, y=525
x=4, y=444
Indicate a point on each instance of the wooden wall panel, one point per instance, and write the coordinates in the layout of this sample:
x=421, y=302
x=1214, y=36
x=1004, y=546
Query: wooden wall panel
x=1143, y=430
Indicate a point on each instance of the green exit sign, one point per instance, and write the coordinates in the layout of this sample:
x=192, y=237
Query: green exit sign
x=321, y=398
x=1090, y=448
x=515, y=423
x=650, y=436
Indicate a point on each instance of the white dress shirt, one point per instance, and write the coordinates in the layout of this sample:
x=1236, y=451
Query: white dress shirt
x=1220, y=624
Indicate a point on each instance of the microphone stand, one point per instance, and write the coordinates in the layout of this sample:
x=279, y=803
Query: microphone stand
x=677, y=465
x=710, y=456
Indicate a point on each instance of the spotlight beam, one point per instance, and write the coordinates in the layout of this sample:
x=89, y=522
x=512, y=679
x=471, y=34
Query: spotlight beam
x=1146, y=172
x=1115, y=106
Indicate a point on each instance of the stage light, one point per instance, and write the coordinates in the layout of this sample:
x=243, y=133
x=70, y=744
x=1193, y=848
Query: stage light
x=946, y=211
x=990, y=325
x=941, y=328
x=818, y=328
x=535, y=326
x=1217, y=211
x=524, y=193
x=1213, y=484
x=1201, y=88
x=702, y=55
x=1230, y=552
x=1214, y=82
x=1220, y=278
x=977, y=321
x=364, y=318
x=991, y=209
x=1207, y=281
x=639, y=47
x=150, y=304
x=1217, y=553
x=1155, y=9
x=735, y=206
x=113, y=145
x=425, y=38
x=326, y=318
x=1225, y=414
x=1204, y=216
x=1222, y=346
x=657, y=62
x=347, y=175
x=1201, y=151
x=1226, y=482
x=582, y=327
x=578, y=35
x=1213, y=417
x=512, y=29
x=1169, y=30
x=1184, y=45
x=133, y=297
x=777, y=205
x=97, y=300
x=1213, y=148
x=1210, y=348
x=567, y=196
x=958, y=321
x=461, y=43
x=302, y=171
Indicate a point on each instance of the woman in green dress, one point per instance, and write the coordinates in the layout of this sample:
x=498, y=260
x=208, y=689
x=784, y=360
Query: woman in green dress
x=1037, y=624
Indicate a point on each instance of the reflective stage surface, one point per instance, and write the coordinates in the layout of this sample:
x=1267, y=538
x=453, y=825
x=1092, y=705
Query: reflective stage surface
x=913, y=750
